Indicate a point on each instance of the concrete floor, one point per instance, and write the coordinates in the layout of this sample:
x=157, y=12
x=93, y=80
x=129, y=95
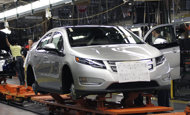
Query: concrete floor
x=10, y=110
x=5, y=109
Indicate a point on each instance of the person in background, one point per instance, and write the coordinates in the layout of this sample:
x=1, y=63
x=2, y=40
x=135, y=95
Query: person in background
x=27, y=47
x=16, y=53
x=158, y=38
x=187, y=30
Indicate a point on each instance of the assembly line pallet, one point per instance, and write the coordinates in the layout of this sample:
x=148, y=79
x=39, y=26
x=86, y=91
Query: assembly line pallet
x=98, y=106
x=82, y=106
x=15, y=93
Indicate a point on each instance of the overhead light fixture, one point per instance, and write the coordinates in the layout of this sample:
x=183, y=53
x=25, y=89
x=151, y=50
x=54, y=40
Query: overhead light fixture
x=11, y=13
x=2, y=15
x=34, y=6
x=38, y=5
x=24, y=9
x=55, y=1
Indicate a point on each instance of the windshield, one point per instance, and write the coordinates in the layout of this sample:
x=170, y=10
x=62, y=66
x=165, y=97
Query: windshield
x=88, y=36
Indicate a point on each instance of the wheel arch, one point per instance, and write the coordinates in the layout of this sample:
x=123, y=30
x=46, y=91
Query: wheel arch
x=68, y=80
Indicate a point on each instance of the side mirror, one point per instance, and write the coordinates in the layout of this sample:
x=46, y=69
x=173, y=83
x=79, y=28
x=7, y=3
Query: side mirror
x=52, y=47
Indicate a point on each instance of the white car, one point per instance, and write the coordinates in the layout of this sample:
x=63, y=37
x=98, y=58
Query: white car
x=93, y=59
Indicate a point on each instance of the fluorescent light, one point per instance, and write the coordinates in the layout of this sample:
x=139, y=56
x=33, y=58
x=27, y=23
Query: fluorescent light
x=36, y=6
x=2, y=15
x=58, y=2
x=10, y=13
x=55, y=1
x=24, y=9
x=40, y=4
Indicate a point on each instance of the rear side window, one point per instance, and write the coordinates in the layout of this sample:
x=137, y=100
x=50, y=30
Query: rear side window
x=58, y=40
x=44, y=41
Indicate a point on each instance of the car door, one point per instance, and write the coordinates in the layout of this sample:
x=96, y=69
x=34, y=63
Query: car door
x=167, y=44
x=54, y=63
x=39, y=57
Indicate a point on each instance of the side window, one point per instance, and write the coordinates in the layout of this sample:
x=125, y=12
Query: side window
x=162, y=35
x=58, y=40
x=44, y=41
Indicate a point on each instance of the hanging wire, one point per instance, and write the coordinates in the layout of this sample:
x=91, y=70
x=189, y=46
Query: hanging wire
x=87, y=17
x=94, y=15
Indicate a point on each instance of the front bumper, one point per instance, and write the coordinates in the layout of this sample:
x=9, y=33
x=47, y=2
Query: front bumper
x=126, y=87
x=159, y=77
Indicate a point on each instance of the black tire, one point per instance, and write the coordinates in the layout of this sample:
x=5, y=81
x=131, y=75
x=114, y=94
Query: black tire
x=67, y=80
x=30, y=76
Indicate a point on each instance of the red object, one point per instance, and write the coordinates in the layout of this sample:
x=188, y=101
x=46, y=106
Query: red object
x=27, y=46
x=82, y=8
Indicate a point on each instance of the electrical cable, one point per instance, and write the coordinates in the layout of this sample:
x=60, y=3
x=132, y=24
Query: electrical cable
x=87, y=17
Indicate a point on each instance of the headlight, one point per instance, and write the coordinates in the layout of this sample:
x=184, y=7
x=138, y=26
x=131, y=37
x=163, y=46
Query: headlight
x=93, y=63
x=160, y=60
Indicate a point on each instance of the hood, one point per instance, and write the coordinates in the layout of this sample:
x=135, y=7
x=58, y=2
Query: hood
x=117, y=52
x=3, y=44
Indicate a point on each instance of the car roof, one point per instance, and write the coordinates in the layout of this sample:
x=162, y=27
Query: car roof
x=65, y=27
x=89, y=26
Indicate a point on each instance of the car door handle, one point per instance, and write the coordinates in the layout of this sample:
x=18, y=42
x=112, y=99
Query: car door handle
x=35, y=55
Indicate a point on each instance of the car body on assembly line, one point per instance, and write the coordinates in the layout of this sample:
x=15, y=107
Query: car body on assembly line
x=6, y=64
x=93, y=59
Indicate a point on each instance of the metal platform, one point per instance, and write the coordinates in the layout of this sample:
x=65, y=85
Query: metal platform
x=97, y=106
x=83, y=106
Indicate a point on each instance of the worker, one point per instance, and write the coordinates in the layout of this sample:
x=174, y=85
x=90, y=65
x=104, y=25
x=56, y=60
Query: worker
x=187, y=30
x=27, y=47
x=30, y=42
x=158, y=39
x=16, y=53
